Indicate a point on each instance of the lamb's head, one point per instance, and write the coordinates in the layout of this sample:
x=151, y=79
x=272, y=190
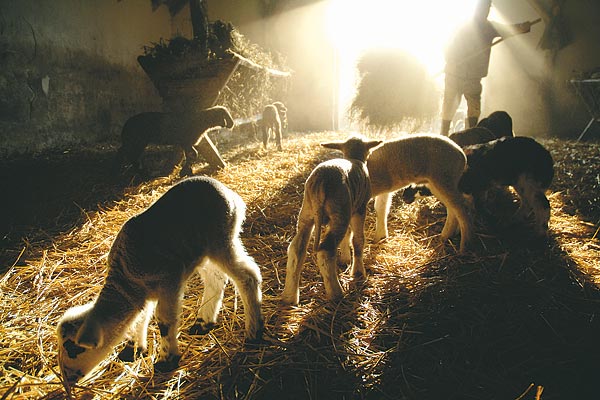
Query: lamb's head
x=499, y=123
x=225, y=117
x=80, y=344
x=354, y=148
x=282, y=110
x=220, y=116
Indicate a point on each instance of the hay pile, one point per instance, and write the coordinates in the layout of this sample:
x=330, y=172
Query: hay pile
x=518, y=318
x=395, y=91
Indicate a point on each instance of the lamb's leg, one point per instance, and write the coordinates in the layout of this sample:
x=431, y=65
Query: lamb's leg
x=295, y=257
x=456, y=204
x=327, y=256
x=265, y=136
x=526, y=191
x=278, y=136
x=212, y=298
x=450, y=226
x=533, y=199
x=137, y=344
x=357, y=222
x=246, y=276
x=382, y=209
x=168, y=314
x=189, y=156
x=345, y=249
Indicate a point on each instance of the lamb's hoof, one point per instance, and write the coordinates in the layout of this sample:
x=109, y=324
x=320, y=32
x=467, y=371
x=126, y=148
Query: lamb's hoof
x=168, y=365
x=202, y=327
x=377, y=239
x=130, y=352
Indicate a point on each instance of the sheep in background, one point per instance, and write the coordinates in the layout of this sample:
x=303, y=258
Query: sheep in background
x=335, y=194
x=176, y=129
x=282, y=110
x=429, y=159
x=194, y=226
x=270, y=123
x=520, y=162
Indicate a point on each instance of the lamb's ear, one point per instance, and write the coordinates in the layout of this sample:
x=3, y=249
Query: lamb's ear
x=333, y=145
x=373, y=143
x=90, y=334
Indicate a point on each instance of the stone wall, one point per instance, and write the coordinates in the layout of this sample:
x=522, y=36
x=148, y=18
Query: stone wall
x=68, y=70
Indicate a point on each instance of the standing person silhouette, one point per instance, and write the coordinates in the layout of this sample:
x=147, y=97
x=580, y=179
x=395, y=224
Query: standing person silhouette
x=467, y=61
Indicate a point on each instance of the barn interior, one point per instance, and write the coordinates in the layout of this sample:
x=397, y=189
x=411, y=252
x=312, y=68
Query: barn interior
x=513, y=318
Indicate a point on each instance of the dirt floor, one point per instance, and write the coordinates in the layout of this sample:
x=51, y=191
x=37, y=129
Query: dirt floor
x=517, y=318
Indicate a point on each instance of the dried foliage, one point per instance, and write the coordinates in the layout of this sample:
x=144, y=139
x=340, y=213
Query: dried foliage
x=395, y=90
x=514, y=319
x=248, y=90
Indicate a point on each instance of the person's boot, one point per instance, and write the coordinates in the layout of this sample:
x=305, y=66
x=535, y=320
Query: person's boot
x=445, y=127
x=471, y=122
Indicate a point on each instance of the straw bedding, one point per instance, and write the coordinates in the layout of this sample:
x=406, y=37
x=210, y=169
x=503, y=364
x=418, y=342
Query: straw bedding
x=516, y=319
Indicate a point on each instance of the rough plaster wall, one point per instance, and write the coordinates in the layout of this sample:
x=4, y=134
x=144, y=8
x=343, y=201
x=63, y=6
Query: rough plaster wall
x=68, y=70
x=534, y=90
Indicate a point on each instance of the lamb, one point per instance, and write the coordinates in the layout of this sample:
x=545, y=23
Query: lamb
x=472, y=136
x=520, y=162
x=499, y=123
x=335, y=194
x=270, y=123
x=428, y=159
x=495, y=126
x=176, y=129
x=195, y=225
x=282, y=110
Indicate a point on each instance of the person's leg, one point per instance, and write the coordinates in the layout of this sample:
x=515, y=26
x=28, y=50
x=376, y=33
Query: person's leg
x=452, y=93
x=473, y=91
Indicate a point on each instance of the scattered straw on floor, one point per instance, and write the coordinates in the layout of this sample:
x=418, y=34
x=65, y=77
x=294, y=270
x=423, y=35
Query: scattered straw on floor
x=515, y=318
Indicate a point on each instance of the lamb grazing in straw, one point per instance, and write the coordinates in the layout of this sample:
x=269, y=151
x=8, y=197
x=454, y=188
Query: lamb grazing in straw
x=183, y=131
x=495, y=126
x=428, y=159
x=335, y=195
x=194, y=226
x=520, y=162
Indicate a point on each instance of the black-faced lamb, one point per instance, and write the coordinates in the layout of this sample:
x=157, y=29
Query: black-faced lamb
x=184, y=131
x=499, y=123
x=472, y=136
x=520, y=162
x=194, y=226
x=335, y=195
x=270, y=124
x=428, y=159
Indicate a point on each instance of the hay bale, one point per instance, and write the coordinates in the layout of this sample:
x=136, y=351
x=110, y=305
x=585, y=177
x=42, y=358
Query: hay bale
x=395, y=90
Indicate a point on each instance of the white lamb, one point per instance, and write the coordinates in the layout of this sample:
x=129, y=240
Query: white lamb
x=428, y=159
x=335, y=194
x=193, y=226
x=270, y=124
